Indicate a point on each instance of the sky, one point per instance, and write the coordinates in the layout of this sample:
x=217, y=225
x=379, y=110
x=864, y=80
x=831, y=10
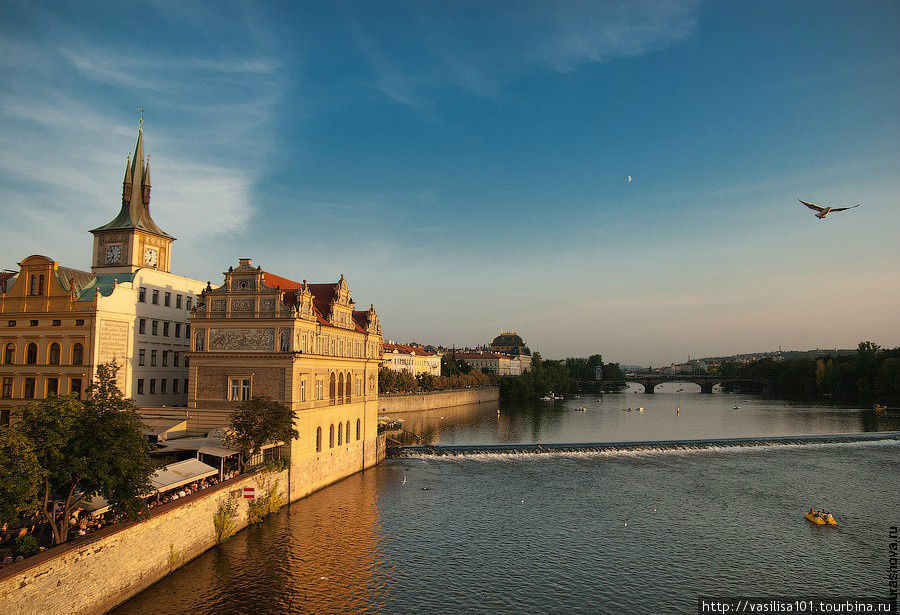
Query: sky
x=464, y=164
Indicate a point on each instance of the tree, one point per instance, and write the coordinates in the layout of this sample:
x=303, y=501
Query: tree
x=19, y=474
x=260, y=421
x=86, y=449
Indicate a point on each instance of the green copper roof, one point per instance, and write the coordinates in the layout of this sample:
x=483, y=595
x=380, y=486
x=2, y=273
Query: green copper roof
x=103, y=282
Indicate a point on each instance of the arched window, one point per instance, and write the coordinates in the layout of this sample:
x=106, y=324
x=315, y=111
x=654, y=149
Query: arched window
x=340, y=431
x=358, y=425
x=32, y=288
x=340, y=389
x=347, y=432
x=318, y=439
x=331, y=436
x=347, y=389
x=78, y=354
x=31, y=354
x=332, y=388
x=53, y=355
x=9, y=354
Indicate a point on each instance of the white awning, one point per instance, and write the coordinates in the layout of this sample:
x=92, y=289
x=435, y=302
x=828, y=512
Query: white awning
x=217, y=450
x=177, y=474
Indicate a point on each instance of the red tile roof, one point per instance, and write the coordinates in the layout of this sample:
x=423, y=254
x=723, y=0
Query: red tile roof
x=407, y=349
x=481, y=355
x=322, y=297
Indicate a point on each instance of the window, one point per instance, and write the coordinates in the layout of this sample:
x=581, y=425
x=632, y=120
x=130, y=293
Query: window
x=52, y=386
x=357, y=428
x=178, y=301
x=240, y=389
x=174, y=385
x=166, y=329
x=32, y=323
x=163, y=388
x=57, y=323
x=303, y=390
x=187, y=330
x=79, y=322
x=347, y=432
x=175, y=359
x=154, y=327
x=152, y=386
x=6, y=393
x=140, y=386
x=155, y=298
x=142, y=357
x=340, y=389
x=332, y=388
x=41, y=284
x=75, y=387
x=29, y=388
x=185, y=382
x=167, y=300
x=4, y=416
x=331, y=436
x=142, y=326
x=31, y=354
x=188, y=302
x=77, y=354
x=37, y=285
x=9, y=354
x=177, y=329
x=318, y=439
x=142, y=295
x=340, y=431
x=53, y=358
x=347, y=392
x=152, y=358
x=10, y=323
x=165, y=358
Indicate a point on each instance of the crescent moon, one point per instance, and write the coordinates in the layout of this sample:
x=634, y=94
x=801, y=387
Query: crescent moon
x=628, y=178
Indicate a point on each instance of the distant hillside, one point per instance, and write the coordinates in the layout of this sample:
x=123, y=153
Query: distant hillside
x=783, y=355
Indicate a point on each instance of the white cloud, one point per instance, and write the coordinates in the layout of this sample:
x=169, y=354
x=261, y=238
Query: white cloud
x=437, y=51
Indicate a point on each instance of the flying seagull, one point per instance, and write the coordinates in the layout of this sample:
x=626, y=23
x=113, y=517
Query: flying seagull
x=824, y=211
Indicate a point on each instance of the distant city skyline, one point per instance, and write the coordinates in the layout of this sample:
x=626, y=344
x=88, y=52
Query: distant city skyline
x=617, y=178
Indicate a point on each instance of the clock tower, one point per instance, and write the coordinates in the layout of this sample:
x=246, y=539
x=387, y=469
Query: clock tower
x=132, y=240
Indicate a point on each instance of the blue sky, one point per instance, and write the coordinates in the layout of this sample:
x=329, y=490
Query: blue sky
x=465, y=166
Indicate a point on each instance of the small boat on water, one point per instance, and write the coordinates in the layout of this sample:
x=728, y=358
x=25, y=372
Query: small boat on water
x=820, y=518
x=641, y=409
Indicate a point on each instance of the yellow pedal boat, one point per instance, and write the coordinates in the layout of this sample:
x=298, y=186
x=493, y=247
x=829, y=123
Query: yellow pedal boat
x=820, y=518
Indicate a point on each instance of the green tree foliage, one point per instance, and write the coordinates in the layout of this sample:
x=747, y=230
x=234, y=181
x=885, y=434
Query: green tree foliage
x=392, y=381
x=20, y=474
x=540, y=380
x=870, y=375
x=257, y=422
x=86, y=449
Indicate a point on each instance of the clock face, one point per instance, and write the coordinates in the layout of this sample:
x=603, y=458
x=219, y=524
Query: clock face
x=113, y=254
x=151, y=258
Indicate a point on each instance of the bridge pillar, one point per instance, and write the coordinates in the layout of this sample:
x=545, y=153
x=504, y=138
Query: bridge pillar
x=649, y=387
x=706, y=387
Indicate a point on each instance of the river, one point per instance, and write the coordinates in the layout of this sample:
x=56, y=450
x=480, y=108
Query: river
x=613, y=532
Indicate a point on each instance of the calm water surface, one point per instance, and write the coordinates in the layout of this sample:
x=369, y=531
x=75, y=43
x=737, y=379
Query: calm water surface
x=525, y=533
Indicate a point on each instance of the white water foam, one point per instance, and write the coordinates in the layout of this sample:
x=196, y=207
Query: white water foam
x=614, y=453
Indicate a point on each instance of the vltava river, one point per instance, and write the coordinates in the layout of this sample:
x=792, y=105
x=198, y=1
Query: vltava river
x=626, y=532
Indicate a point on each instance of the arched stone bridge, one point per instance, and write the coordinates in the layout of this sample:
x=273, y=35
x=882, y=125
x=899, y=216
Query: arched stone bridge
x=706, y=381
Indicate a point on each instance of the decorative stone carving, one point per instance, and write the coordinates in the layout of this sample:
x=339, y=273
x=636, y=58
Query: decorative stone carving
x=217, y=305
x=242, y=305
x=267, y=305
x=256, y=340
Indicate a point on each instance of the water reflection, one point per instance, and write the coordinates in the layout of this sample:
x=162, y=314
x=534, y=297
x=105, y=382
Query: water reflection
x=665, y=416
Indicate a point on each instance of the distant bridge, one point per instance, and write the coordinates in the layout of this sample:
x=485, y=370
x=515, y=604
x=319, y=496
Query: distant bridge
x=705, y=381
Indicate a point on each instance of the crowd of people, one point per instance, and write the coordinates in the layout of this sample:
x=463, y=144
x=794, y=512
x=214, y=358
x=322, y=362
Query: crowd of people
x=14, y=546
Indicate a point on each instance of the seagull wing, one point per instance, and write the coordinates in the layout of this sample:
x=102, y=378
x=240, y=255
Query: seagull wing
x=813, y=207
x=843, y=208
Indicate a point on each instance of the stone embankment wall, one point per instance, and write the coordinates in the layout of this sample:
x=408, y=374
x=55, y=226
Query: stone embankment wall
x=394, y=404
x=95, y=573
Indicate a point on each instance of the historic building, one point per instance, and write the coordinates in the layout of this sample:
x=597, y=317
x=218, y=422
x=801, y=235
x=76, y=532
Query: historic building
x=495, y=362
x=509, y=343
x=410, y=358
x=58, y=323
x=302, y=344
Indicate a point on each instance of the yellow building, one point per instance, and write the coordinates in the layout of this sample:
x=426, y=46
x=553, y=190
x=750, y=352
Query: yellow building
x=413, y=359
x=58, y=323
x=302, y=344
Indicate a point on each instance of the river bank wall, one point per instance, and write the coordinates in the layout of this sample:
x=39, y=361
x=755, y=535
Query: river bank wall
x=95, y=573
x=419, y=402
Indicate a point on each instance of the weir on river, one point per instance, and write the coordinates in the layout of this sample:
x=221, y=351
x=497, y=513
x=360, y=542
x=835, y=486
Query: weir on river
x=647, y=445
